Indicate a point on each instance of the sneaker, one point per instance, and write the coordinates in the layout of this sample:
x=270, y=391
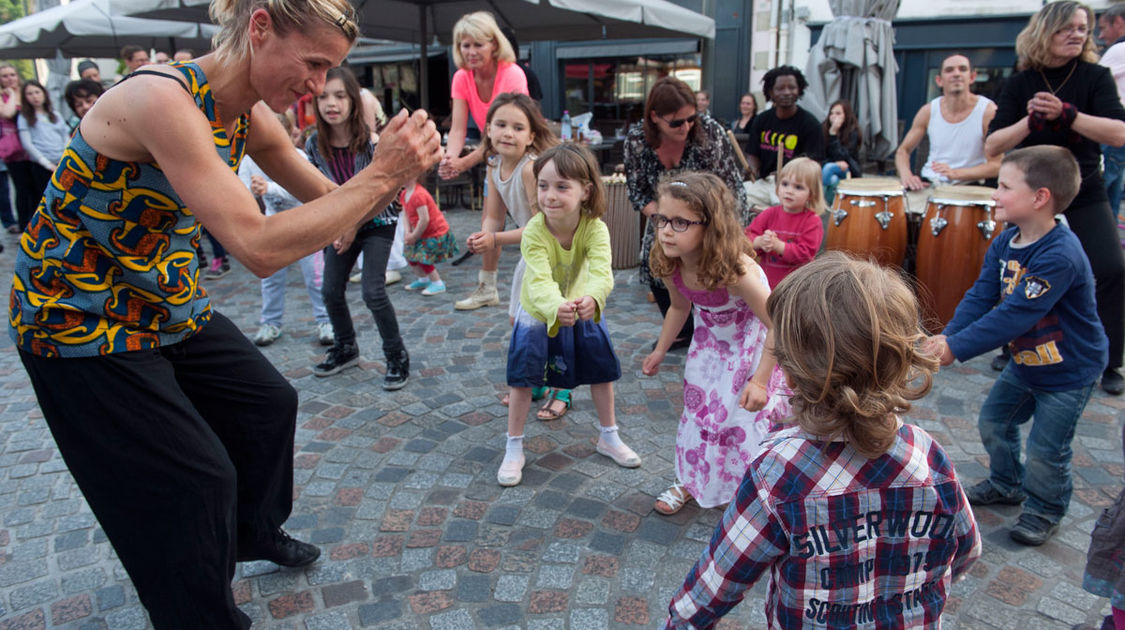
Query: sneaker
x=434, y=288
x=999, y=362
x=356, y=277
x=511, y=471
x=324, y=334
x=391, y=277
x=483, y=296
x=984, y=493
x=337, y=358
x=398, y=371
x=219, y=268
x=267, y=334
x=1112, y=382
x=622, y=455
x=418, y=285
x=281, y=549
x=1033, y=530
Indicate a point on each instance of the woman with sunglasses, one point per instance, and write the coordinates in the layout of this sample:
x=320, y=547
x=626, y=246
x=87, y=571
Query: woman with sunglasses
x=1063, y=97
x=673, y=137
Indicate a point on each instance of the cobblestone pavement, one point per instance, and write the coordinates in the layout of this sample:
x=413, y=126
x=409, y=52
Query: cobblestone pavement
x=399, y=491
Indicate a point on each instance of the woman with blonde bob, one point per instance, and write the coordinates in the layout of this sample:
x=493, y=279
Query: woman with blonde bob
x=175, y=427
x=1063, y=98
x=846, y=335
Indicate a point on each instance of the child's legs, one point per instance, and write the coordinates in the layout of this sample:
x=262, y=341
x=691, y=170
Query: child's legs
x=312, y=268
x=337, y=267
x=417, y=268
x=832, y=174
x=376, y=248
x=216, y=246
x=273, y=297
x=1009, y=404
x=490, y=260
x=602, y=393
x=519, y=404
x=1048, y=482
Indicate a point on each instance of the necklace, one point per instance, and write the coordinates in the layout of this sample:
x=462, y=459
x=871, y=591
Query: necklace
x=1055, y=90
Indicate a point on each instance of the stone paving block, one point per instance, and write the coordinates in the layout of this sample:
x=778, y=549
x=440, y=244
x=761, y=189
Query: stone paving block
x=589, y=618
x=555, y=576
x=499, y=615
x=453, y=620
x=130, y=618
x=346, y=593
x=380, y=612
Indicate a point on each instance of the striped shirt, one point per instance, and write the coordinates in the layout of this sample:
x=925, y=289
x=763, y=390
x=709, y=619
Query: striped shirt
x=849, y=542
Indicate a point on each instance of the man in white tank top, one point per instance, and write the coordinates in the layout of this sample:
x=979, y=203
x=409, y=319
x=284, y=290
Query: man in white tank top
x=956, y=123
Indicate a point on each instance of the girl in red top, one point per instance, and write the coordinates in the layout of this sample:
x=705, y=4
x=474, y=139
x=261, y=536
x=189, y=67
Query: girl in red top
x=429, y=240
x=789, y=235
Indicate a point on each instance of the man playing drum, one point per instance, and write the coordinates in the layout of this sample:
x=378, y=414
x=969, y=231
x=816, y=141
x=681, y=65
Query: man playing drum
x=956, y=135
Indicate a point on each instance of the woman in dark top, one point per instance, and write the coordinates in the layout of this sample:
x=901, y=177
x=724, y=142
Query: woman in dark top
x=672, y=138
x=842, y=139
x=747, y=110
x=1061, y=97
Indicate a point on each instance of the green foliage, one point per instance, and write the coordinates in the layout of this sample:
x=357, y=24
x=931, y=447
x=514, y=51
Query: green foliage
x=13, y=10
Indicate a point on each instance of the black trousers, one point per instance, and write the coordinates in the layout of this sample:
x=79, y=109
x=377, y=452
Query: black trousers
x=1096, y=227
x=28, y=193
x=181, y=452
x=664, y=300
x=375, y=245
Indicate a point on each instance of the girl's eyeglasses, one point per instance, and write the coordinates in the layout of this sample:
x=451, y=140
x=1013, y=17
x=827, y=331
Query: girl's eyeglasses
x=680, y=122
x=679, y=224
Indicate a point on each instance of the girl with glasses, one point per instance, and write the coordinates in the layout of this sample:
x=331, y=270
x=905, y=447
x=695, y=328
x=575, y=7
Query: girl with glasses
x=731, y=387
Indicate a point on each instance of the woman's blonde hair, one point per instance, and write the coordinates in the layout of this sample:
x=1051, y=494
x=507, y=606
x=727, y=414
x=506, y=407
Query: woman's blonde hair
x=847, y=335
x=1033, y=44
x=808, y=172
x=481, y=27
x=574, y=161
x=724, y=242
x=233, y=17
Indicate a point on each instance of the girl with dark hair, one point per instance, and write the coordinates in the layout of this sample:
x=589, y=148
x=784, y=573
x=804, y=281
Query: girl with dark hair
x=43, y=134
x=340, y=147
x=842, y=138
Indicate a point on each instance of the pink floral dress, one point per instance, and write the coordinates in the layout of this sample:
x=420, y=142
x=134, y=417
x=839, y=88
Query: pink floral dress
x=717, y=438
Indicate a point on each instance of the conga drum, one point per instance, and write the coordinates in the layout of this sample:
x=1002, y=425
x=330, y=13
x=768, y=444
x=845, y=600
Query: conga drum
x=955, y=234
x=869, y=220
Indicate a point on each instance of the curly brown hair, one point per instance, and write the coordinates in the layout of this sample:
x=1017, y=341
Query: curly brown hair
x=723, y=239
x=574, y=161
x=847, y=335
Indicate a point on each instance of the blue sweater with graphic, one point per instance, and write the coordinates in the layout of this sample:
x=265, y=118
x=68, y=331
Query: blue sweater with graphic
x=1039, y=299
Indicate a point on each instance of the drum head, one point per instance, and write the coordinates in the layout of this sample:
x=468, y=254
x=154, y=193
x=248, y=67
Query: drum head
x=963, y=196
x=868, y=186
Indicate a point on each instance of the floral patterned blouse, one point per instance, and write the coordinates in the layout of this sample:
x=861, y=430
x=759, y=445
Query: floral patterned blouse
x=643, y=170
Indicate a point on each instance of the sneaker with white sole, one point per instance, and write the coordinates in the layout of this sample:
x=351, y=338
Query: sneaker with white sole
x=434, y=288
x=356, y=277
x=267, y=334
x=324, y=334
x=621, y=455
x=483, y=296
x=418, y=285
x=511, y=471
x=391, y=277
x=220, y=267
x=336, y=359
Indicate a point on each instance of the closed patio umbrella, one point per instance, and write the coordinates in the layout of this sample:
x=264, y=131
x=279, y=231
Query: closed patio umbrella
x=854, y=60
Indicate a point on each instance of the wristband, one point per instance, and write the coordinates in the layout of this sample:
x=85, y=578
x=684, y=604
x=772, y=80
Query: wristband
x=1036, y=122
x=1069, y=113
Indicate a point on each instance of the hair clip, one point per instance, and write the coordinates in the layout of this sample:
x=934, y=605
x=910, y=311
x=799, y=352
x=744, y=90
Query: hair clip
x=677, y=183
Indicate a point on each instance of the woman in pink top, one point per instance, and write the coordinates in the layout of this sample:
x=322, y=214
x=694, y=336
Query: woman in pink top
x=487, y=68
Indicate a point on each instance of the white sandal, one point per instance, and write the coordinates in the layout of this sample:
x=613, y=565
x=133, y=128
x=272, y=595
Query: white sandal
x=675, y=497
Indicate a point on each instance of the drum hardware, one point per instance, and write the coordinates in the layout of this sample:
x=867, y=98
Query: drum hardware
x=838, y=216
x=863, y=203
x=884, y=218
x=987, y=227
x=937, y=224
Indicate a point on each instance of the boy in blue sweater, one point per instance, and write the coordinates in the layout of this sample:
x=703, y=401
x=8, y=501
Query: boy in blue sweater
x=1035, y=293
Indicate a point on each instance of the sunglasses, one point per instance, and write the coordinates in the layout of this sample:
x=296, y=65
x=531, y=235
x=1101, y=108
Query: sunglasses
x=679, y=224
x=680, y=122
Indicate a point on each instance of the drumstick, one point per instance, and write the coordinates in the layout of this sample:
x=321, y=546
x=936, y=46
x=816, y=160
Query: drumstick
x=780, y=153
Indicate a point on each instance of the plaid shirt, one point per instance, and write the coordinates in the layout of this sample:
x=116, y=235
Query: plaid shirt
x=849, y=542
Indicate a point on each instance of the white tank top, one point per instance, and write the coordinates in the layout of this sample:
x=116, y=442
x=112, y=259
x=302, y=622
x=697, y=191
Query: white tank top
x=511, y=190
x=959, y=145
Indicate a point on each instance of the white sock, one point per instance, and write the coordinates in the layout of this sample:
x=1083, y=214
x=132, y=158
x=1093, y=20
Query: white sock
x=514, y=448
x=611, y=438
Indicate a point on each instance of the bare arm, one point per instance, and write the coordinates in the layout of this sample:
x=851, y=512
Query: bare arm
x=754, y=292
x=674, y=319
x=458, y=126
x=910, y=142
x=1099, y=129
x=164, y=124
x=423, y=222
x=8, y=109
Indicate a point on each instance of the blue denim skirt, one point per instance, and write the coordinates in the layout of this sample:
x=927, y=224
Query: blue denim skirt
x=578, y=355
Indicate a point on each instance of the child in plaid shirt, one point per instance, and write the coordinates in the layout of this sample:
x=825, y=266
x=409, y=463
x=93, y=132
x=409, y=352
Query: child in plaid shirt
x=858, y=517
